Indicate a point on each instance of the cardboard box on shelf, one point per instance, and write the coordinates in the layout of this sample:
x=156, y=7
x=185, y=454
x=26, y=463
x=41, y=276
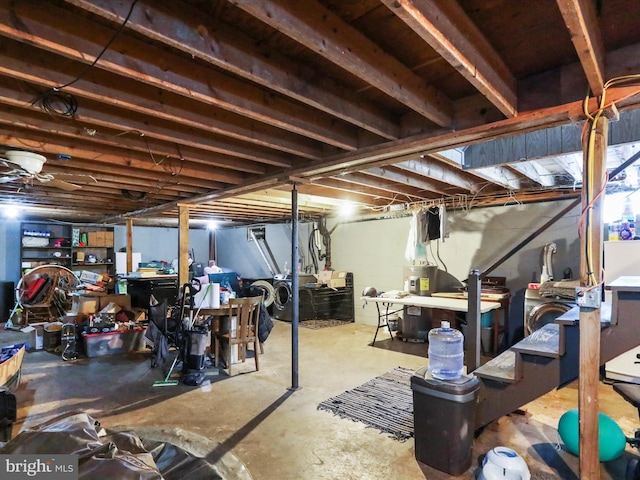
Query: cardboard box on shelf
x=92, y=239
x=338, y=279
x=108, y=239
x=90, y=277
x=101, y=239
x=325, y=276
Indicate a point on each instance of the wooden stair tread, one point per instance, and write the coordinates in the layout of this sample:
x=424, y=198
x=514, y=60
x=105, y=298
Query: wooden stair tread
x=544, y=342
x=501, y=368
x=573, y=316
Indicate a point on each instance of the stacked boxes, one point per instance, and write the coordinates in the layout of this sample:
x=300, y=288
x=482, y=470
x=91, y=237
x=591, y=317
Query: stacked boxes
x=333, y=278
x=100, y=239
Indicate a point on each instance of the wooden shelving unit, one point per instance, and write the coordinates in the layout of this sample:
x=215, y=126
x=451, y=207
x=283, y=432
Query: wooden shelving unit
x=92, y=249
x=74, y=246
x=45, y=244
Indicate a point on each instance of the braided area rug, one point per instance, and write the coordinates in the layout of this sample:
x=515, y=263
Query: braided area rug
x=316, y=324
x=384, y=403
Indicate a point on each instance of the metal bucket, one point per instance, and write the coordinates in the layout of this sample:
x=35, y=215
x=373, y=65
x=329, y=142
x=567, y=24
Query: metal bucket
x=52, y=336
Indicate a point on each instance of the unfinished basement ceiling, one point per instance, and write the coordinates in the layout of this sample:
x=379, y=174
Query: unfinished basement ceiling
x=223, y=105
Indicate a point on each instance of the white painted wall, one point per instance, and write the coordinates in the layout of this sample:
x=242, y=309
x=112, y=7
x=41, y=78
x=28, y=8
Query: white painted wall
x=374, y=249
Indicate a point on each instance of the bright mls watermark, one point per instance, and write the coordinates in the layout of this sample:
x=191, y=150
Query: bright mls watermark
x=38, y=466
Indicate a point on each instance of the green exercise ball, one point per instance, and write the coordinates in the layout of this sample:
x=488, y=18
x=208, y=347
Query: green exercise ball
x=611, y=439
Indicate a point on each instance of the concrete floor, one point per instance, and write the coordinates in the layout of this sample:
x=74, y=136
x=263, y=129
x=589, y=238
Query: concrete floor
x=278, y=433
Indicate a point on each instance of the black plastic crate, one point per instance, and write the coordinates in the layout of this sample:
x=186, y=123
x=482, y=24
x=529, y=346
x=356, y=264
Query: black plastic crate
x=8, y=406
x=6, y=430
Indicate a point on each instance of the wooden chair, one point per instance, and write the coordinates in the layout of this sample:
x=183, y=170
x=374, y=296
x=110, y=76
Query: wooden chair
x=243, y=332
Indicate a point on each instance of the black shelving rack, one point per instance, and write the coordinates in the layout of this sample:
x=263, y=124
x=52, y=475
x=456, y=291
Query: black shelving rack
x=327, y=302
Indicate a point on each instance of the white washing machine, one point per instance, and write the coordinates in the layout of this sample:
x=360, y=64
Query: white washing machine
x=538, y=311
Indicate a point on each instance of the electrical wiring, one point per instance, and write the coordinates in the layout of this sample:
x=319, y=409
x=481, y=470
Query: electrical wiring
x=104, y=49
x=168, y=166
x=589, y=134
x=588, y=187
x=592, y=287
x=436, y=256
x=56, y=102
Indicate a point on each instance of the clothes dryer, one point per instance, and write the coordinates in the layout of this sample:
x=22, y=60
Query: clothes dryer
x=283, y=300
x=283, y=296
x=538, y=310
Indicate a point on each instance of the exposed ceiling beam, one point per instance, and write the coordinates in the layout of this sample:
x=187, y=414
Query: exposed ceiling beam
x=404, y=176
x=444, y=25
x=183, y=28
x=428, y=143
x=394, y=190
x=342, y=194
x=500, y=176
x=37, y=121
x=320, y=30
x=105, y=106
x=582, y=22
x=173, y=170
x=535, y=172
x=572, y=164
x=135, y=60
x=431, y=167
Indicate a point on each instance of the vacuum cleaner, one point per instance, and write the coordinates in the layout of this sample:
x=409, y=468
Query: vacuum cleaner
x=194, y=359
x=194, y=341
x=190, y=340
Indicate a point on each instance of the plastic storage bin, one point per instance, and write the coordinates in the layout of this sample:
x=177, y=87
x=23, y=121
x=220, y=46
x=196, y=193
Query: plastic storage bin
x=443, y=420
x=113, y=343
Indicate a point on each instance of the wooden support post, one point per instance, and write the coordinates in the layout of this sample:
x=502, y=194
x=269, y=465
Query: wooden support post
x=590, y=270
x=129, y=245
x=183, y=245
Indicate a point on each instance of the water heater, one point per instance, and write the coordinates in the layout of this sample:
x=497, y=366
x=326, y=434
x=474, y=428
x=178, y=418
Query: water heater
x=420, y=279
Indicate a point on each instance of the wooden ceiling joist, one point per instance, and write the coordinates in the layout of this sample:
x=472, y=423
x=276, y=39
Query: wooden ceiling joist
x=444, y=25
x=581, y=20
x=317, y=28
x=198, y=102
x=136, y=61
x=219, y=45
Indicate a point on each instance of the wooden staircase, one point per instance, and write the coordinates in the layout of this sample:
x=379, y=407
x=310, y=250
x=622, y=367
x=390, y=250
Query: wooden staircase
x=548, y=358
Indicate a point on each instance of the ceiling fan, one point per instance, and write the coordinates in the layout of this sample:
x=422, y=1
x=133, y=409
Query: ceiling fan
x=27, y=166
